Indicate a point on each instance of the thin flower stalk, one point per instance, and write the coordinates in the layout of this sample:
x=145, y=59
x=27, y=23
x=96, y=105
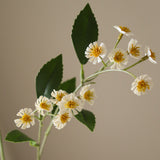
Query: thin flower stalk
x=39, y=139
x=47, y=133
x=101, y=72
x=102, y=68
x=118, y=40
x=110, y=70
x=45, y=137
x=103, y=61
x=94, y=75
x=141, y=60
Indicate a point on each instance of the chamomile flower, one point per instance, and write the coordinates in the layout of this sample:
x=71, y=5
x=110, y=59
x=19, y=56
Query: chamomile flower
x=151, y=55
x=87, y=94
x=95, y=52
x=58, y=95
x=61, y=119
x=133, y=48
x=26, y=120
x=71, y=102
x=123, y=30
x=119, y=57
x=43, y=104
x=142, y=84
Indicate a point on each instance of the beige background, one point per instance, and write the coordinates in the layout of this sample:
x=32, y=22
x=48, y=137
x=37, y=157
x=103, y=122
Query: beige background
x=34, y=31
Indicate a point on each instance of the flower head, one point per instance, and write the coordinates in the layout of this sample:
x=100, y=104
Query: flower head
x=58, y=95
x=141, y=84
x=119, y=57
x=43, y=104
x=95, y=52
x=123, y=30
x=88, y=94
x=133, y=48
x=151, y=55
x=27, y=118
x=61, y=119
x=71, y=102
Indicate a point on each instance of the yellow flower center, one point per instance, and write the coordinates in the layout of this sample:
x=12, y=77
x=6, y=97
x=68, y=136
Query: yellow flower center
x=64, y=117
x=88, y=95
x=153, y=55
x=142, y=86
x=26, y=118
x=71, y=104
x=125, y=29
x=134, y=51
x=118, y=57
x=45, y=106
x=95, y=51
x=60, y=96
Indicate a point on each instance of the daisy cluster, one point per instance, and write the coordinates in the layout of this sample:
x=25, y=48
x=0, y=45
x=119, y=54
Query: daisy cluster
x=67, y=106
x=118, y=58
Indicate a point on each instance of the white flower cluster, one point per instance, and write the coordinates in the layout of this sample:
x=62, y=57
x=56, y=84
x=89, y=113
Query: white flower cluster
x=68, y=105
x=118, y=58
x=71, y=104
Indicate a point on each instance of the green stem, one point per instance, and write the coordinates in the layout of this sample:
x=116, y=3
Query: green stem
x=39, y=139
x=100, y=72
x=141, y=60
x=45, y=137
x=77, y=89
x=110, y=70
x=47, y=132
x=93, y=76
x=103, y=67
x=103, y=62
x=1, y=148
x=118, y=40
x=82, y=74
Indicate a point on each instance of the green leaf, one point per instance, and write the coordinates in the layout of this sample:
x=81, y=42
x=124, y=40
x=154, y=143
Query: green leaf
x=33, y=144
x=16, y=136
x=54, y=108
x=85, y=31
x=87, y=118
x=69, y=86
x=49, y=77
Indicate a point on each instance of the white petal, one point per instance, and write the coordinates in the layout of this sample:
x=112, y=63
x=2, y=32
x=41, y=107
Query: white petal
x=24, y=126
x=18, y=122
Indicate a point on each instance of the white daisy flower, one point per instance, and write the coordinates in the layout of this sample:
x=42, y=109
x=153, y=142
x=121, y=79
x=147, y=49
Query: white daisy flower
x=43, y=104
x=27, y=118
x=61, y=119
x=119, y=57
x=141, y=84
x=58, y=95
x=133, y=48
x=71, y=102
x=87, y=94
x=123, y=30
x=151, y=55
x=95, y=52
